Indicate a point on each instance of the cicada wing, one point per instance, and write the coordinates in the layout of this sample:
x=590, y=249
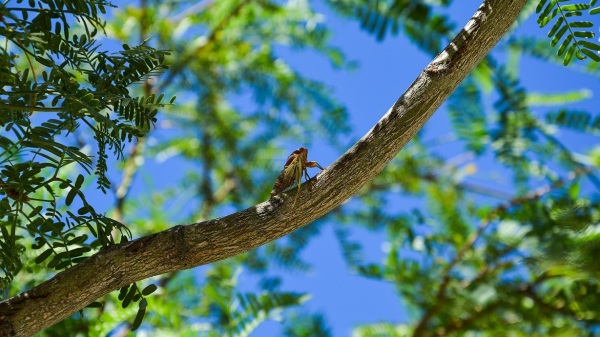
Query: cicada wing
x=287, y=177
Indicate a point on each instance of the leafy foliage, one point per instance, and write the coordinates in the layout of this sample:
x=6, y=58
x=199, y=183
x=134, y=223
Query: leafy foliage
x=55, y=84
x=421, y=23
x=425, y=24
x=578, y=120
x=577, y=34
x=132, y=294
x=312, y=326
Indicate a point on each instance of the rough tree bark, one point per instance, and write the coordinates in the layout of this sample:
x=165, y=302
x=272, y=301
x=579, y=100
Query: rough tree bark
x=183, y=247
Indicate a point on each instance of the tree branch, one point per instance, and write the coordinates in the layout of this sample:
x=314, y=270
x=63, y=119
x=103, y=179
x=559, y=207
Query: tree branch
x=183, y=247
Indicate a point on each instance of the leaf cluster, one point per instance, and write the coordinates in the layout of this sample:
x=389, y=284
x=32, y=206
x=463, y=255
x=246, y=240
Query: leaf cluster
x=419, y=20
x=579, y=120
x=55, y=86
x=132, y=294
x=577, y=34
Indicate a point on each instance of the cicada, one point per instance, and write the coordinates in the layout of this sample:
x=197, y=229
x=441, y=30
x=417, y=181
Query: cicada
x=293, y=170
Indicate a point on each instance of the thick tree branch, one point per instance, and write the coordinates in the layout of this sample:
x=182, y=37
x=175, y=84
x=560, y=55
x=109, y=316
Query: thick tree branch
x=183, y=247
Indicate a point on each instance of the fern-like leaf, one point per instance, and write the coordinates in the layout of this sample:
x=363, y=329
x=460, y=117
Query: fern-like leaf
x=575, y=35
x=255, y=309
x=575, y=119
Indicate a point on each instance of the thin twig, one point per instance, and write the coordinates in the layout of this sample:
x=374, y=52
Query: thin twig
x=206, y=187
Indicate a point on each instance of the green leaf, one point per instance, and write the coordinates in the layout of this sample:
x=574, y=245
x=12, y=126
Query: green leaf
x=573, y=14
x=540, y=5
x=57, y=259
x=585, y=35
x=49, y=226
x=569, y=54
x=129, y=297
x=574, y=190
x=123, y=292
x=35, y=211
x=548, y=18
x=558, y=35
x=581, y=24
x=589, y=45
x=80, y=259
x=574, y=7
x=556, y=26
x=565, y=44
x=143, y=304
x=95, y=305
x=84, y=210
x=43, y=256
x=39, y=242
x=70, y=196
x=139, y=317
x=62, y=264
x=78, y=251
x=149, y=289
x=544, y=99
x=594, y=56
x=79, y=181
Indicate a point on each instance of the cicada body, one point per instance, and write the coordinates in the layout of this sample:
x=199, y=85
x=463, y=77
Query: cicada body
x=295, y=167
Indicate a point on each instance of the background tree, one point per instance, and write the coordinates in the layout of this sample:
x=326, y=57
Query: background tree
x=460, y=264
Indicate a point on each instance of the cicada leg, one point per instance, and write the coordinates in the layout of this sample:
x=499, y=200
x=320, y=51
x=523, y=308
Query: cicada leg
x=314, y=164
x=311, y=164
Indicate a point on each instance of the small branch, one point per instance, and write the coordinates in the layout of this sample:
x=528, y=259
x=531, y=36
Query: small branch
x=472, y=187
x=193, y=10
x=228, y=186
x=463, y=324
x=541, y=191
x=529, y=291
x=132, y=164
x=206, y=185
x=440, y=297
